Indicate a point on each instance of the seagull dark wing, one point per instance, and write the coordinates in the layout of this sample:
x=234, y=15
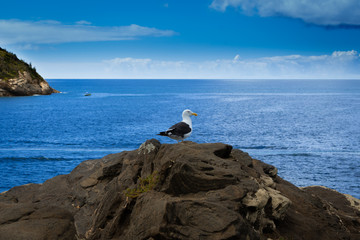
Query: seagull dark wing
x=179, y=129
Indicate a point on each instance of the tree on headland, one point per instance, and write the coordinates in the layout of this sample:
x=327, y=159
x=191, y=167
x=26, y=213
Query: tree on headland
x=10, y=65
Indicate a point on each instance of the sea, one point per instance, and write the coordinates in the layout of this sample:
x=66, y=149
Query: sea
x=308, y=129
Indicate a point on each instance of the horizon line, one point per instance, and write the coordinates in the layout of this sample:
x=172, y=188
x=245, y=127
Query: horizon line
x=239, y=79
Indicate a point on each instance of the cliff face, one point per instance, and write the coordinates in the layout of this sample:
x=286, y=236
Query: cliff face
x=176, y=191
x=18, y=78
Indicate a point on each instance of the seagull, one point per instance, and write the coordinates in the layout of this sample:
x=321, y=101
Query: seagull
x=180, y=130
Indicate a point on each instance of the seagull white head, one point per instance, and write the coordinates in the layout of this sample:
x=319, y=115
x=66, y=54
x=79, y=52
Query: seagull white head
x=186, y=116
x=188, y=112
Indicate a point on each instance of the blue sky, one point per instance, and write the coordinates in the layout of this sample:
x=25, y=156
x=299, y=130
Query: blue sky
x=185, y=39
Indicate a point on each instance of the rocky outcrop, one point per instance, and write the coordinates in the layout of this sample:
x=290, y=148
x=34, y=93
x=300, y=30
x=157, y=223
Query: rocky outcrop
x=17, y=78
x=25, y=85
x=176, y=191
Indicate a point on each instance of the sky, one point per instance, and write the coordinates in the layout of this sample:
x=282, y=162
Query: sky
x=187, y=39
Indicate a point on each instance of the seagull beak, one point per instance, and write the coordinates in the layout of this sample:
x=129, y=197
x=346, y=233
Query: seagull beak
x=195, y=114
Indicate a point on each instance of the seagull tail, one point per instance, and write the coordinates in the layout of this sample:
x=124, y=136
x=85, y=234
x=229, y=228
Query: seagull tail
x=162, y=134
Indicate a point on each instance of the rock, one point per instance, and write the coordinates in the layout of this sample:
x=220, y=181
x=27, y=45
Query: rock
x=256, y=200
x=18, y=78
x=25, y=85
x=178, y=191
x=279, y=204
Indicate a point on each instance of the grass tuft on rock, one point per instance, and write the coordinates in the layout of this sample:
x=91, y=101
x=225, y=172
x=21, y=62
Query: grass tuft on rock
x=144, y=185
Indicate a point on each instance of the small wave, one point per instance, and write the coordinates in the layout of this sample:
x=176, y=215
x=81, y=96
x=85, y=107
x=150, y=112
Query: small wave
x=260, y=147
x=68, y=149
x=103, y=95
x=236, y=99
x=299, y=94
x=293, y=155
x=271, y=109
x=36, y=158
x=287, y=153
x=37, y=142
x=282, y=154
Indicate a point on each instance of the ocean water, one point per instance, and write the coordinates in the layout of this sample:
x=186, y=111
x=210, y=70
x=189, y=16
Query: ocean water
x=308, y=129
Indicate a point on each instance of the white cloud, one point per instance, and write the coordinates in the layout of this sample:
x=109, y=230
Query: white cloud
x=45, y=32
x=148, y=68
x=337, y=65
x=326, y=12
x=236, y=58
x=83, y=22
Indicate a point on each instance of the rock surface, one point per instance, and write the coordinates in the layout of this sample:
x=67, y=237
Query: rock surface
x=201, y=191
x=25, y=85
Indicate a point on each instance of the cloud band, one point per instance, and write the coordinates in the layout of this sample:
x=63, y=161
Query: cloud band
x=325, y=13
x=47, y=32
x=339, y=64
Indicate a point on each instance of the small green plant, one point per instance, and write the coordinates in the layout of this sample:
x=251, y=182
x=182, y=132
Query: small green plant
x=144, y=185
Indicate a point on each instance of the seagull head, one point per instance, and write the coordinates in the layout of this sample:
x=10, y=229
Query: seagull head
x=188, y=113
